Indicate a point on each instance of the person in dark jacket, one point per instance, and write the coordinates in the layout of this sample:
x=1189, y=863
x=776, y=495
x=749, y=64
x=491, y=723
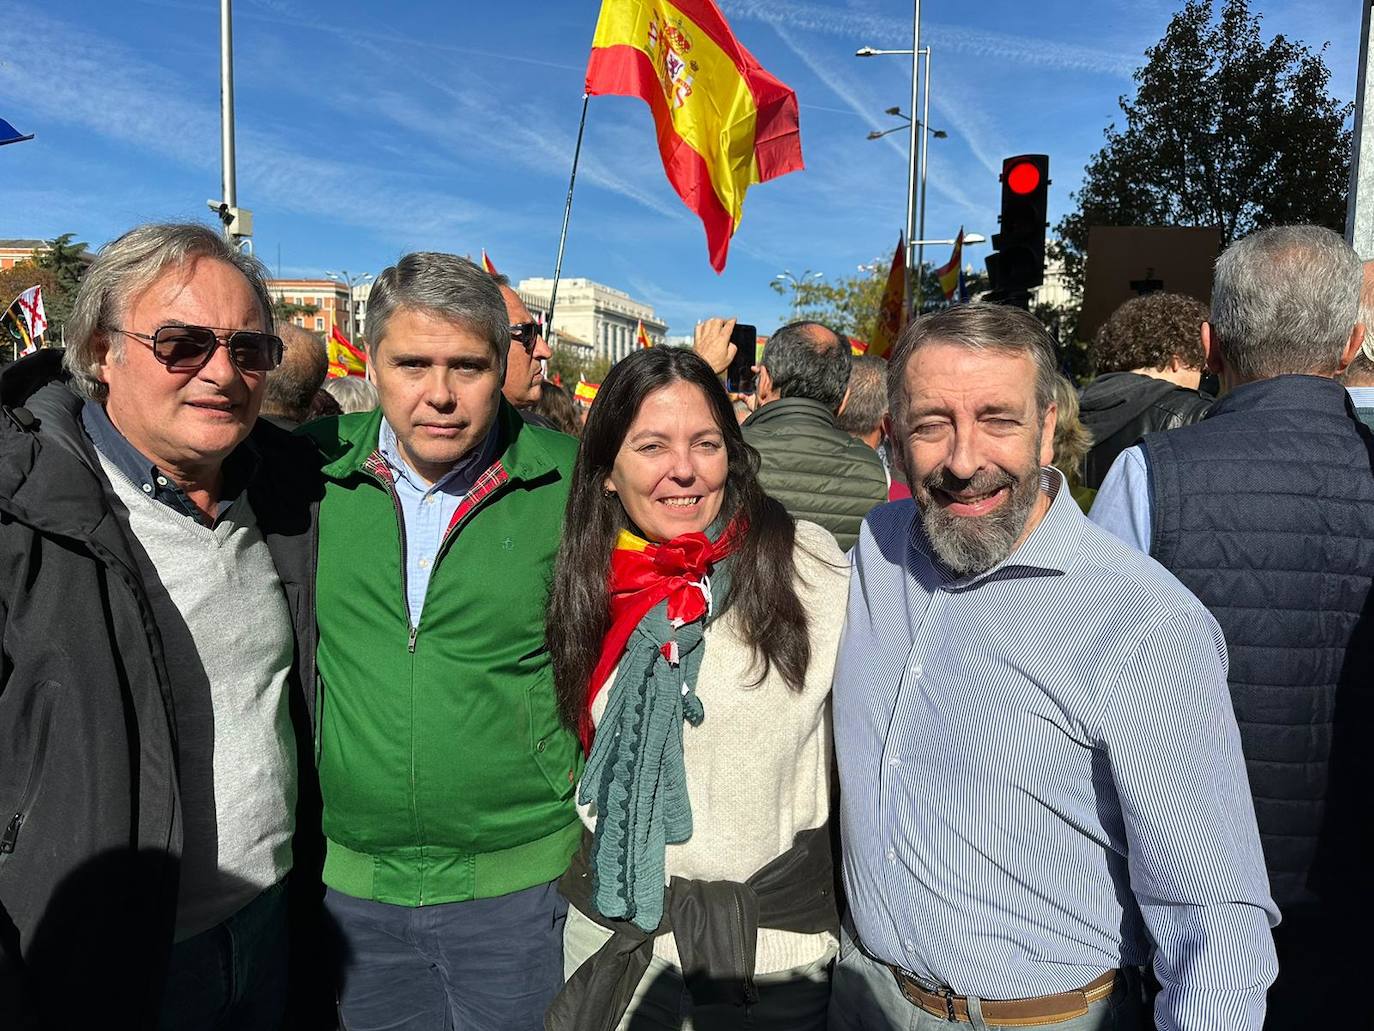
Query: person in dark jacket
x=1149, y=364
x=159, y=846
x=817, y=470
x=1265, y=511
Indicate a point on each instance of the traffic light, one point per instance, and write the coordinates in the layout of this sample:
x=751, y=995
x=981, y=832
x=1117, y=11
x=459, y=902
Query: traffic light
x=1018, y=264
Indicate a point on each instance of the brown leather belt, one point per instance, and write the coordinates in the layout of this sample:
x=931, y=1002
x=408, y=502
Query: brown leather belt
x=1044, y=1009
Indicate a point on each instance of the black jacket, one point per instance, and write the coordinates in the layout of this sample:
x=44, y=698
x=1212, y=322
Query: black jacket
x=91, y=823
x=1121, y=407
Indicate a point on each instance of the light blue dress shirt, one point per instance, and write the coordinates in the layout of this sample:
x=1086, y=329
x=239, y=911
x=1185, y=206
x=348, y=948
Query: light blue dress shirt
x=1041, y=774
x=427, y=509
x=1122, y=505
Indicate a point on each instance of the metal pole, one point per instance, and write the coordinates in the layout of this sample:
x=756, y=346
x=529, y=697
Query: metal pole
x=921, y=224
x=912, y=151
x=567, y=214
x=352, y=331
x=229, y=186
x=1359, y=216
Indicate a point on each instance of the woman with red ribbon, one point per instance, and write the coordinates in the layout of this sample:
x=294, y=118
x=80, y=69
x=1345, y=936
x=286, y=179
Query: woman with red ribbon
x=693, y=627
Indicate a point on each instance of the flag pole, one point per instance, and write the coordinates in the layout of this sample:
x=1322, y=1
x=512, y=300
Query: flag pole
x=567, y=214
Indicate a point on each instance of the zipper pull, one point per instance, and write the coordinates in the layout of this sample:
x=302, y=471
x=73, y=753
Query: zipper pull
x=11, y=834
x=414, y=633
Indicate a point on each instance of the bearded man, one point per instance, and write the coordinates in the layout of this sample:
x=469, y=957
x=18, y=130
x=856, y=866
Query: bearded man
x=1041, y=775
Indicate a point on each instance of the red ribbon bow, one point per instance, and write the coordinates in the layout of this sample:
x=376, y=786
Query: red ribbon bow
x=644, y=574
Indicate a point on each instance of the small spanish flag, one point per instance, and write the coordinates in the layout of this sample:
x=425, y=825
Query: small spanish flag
x=344, y=358
x=892, y=310
x=585, y=392
x=641, y=337
x=723, y=123
x=952, y=271
x=486, y=264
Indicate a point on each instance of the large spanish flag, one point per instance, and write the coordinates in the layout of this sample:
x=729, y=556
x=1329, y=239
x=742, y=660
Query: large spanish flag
x=723, y=122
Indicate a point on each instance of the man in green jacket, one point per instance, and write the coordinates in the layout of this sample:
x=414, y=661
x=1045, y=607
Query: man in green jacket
x=446, y=776
x=813, y=467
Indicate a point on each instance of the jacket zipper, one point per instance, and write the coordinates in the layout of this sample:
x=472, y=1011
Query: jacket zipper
x=10, y=837
x=377, y=466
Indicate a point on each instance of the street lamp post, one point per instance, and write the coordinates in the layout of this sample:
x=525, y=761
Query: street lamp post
x=914, y=148
x=786, y=276
x=349, y=282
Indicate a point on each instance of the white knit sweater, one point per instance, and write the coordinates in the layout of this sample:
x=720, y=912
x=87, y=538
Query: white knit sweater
x=758, y=766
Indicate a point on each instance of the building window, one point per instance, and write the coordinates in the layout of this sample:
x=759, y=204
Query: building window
x=319, y=324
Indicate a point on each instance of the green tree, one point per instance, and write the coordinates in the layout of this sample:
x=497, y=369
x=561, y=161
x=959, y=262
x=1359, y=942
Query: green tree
x=850, y=305
x=570, y=363
x=1225, y=129
x=284, y=311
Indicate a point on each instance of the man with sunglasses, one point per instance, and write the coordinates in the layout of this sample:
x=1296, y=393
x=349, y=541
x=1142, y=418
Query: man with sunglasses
x=529, y=350
x=157, y=625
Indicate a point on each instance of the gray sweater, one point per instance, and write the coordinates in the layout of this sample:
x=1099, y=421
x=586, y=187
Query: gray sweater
x=226, y=631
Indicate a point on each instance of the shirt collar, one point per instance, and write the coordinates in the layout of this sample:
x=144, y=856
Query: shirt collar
x=1048, y=550
x=457, y=480
x=1361, y=397
x=238, y=470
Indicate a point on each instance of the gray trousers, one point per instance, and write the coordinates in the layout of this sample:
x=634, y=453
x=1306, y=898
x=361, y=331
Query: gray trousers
x=864, y=997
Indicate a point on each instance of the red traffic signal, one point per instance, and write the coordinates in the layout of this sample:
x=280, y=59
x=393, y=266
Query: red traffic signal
x=1023, y=178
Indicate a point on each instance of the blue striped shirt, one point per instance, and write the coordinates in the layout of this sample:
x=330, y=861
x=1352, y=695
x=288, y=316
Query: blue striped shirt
x=1041, y=774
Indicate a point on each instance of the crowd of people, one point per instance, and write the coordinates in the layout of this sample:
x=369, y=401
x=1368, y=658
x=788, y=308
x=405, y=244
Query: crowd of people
x=900, y=695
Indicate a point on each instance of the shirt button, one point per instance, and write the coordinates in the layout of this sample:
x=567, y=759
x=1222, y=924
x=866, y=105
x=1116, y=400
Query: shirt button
x=910, y=945
x=424, y=563
x=429, y=500
x=162, y=481
x=894, y=761
x=147, y=488
x=916, y=673
x=892, y=855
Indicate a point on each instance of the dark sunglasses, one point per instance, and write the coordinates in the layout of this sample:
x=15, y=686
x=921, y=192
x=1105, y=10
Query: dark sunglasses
x=189, y=348
x=525, y=334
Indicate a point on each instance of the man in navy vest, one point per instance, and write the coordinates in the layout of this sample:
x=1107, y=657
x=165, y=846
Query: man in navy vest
x=1265, y=511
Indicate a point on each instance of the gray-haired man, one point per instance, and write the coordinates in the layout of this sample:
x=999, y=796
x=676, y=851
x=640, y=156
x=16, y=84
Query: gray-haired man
x=807, y=462
x=155, y=585
x=446, y=775
x=1265, y=511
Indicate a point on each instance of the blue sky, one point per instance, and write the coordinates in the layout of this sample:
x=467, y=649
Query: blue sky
x=366, y=130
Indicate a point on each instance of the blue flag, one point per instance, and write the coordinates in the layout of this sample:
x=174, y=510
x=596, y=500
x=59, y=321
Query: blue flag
x=9, y=134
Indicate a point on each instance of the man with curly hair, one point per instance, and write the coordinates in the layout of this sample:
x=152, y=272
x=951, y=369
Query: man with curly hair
x=1149, y=365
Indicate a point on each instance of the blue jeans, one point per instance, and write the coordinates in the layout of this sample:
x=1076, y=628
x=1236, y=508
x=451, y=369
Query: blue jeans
x=483, y=965
x=233, y=976
x=864, y=997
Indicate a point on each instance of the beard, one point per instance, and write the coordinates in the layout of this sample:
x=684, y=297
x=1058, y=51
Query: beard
x=968, y=545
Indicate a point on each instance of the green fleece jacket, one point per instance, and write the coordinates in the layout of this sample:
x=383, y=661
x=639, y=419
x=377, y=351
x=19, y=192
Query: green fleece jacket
x=445, y=771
